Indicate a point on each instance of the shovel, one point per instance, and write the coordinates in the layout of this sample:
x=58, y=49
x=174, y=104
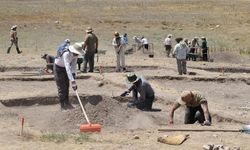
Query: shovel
x=87, y=127
x=245, y=129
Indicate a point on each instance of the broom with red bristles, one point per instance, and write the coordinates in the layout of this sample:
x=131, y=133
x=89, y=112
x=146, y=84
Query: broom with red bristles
x=87, y=127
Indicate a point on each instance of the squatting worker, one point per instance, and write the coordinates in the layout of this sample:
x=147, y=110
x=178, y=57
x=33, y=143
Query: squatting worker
x=196, y=108
x=141, y=86
x=91, y=47
x=65, y=71
x=13, y=39
x=50, y=62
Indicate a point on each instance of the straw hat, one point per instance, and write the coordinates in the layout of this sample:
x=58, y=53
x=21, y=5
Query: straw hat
x=67, y=40
x=170, y=35
x=76, y=48
x=89, y=29
x=132, y=78
x=13, y=27
x=184, y=94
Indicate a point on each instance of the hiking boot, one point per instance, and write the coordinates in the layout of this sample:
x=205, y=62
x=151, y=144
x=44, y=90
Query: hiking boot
x=124, y=69
x=69, y=105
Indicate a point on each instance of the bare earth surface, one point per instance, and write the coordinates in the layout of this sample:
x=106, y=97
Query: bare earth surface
x=27, y=93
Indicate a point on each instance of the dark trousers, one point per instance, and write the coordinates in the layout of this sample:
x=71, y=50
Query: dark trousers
x=192, y=51
x=79, y=62
x=62, y=82
x=204, y=55
x=193, y=114
x=168, y=49
x=146, y=46
x=88, y=58
x=142, y=104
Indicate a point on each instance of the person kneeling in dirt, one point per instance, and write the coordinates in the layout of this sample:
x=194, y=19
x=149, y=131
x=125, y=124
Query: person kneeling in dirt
x=50, y=62
x=196, y=108
x=141, y=86
x=65, y=71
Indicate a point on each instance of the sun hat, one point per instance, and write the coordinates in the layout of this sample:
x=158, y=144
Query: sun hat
x=183, y=95
x=89, y=29
x=132, y=78
x=14, y=27
x=67, y=40
x=203, y=38
x=76, y=48
x=116, y=33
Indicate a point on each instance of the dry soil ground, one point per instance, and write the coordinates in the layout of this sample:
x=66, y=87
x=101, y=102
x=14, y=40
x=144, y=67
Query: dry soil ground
x=25, y=93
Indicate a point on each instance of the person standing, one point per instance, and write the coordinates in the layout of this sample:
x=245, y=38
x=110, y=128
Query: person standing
x=168, y=44
x=196, y=108
x=180, y=53
x=194, y=47
x=13, y=39
x=91, y=47
x=65, y=72
x=143, y=88
x=204, y=49
x=118, y=44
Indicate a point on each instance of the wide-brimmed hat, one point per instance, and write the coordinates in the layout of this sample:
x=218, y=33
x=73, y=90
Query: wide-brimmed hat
x=132, y=78
x=13, y=27
x=89, y=29
x=203, y=38
x=183, y=95
x=67, y=40
x=76, y=48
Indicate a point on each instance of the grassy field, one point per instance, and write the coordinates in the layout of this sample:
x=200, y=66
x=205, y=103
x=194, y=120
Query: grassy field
x=225, y=23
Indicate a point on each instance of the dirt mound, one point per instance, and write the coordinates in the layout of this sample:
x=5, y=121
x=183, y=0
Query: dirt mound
x=108, y=112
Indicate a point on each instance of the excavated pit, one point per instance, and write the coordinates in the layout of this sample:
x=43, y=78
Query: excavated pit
x=44, y=114
x=224, y=69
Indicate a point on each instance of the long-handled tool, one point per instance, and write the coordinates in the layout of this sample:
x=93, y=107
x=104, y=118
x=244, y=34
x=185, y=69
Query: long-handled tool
x=87, y=127
x=245, y=129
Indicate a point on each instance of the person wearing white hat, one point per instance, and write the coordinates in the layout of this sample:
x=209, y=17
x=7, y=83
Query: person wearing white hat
x=13, y=40
x=65, y=71
x=91, y=48
x=196, y=108
x=141, y=86
x=168, y=44
x=119, y=45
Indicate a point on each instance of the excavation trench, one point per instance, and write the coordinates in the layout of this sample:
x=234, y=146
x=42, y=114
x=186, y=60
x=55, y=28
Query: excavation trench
x=44, y=114
x=225, y=69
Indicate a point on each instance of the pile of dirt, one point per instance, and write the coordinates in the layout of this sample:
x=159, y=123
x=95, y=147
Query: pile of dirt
x=109, y=112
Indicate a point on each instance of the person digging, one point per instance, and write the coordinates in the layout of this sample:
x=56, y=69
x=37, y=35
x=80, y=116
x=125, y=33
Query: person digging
x=196, y=108
x=141, y=86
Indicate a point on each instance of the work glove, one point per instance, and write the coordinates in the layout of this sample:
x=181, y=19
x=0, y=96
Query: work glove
x=207, y=123
x=74, y=86
x=124, y=94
